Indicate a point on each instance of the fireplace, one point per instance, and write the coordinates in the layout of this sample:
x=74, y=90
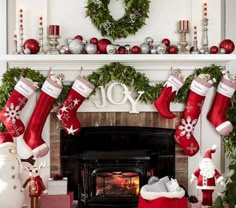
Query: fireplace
x=107, y=165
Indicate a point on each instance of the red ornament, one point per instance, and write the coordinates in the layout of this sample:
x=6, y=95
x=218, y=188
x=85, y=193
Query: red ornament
x=228, y=45
x=33, y=45
x=166, y=41
x=214, y=50
x=135, y=49
x=172, y=49
x=78, y=37
x=102, y=45
x=122, y=49
x=94, y=41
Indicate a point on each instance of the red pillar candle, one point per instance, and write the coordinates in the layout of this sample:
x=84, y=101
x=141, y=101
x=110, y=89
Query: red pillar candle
x=54, y=30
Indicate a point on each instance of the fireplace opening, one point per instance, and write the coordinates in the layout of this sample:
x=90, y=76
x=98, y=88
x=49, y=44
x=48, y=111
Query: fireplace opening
x=107, y=166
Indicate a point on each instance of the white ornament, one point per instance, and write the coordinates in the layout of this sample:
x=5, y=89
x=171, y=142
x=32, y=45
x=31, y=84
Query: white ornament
x=111, y=49
x=144, y=48
x=91, y=48
x=76, y=46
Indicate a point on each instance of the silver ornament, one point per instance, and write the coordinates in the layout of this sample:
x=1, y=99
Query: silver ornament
x=64, y=48
x=149, y=40
x=91, y=48
x=144, y=48
x=111, y=49
x=222, y=51
x=27, y=51
x=76, y=46
x=128, y=48
x=161, y=49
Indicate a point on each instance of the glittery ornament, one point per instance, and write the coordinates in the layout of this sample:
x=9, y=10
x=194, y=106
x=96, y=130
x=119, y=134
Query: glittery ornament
x=172, y=49
x=91, y=48
x=166, y=41
x=76, y=46
x=111, y=49
x=149, y=40
x=144, y=48
x=161, y=49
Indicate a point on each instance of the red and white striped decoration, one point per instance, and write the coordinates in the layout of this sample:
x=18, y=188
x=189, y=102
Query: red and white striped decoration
x=183, y=25
x=195, y=32
x=205, y=10
x=21, y=18
x=40, y=22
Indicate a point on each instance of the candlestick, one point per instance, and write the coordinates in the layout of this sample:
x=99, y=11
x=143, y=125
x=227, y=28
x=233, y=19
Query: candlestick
x=53, y=35
x=15, y=44
x=183, y=30
x=41, y=51
x=195, y=47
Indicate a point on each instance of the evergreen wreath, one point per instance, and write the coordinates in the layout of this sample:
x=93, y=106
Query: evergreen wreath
x=136, y=11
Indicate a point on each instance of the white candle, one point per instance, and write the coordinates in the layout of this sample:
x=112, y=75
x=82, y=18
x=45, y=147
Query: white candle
x=205, y=10
x=195, y=32
x=21, y=18
x=40, y=22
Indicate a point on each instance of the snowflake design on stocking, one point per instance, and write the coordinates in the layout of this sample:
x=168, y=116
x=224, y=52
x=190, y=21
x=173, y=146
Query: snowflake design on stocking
x=12, y=113
x=187, y=126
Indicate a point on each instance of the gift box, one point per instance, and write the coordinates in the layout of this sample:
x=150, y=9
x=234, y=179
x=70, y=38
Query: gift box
x=57, y=201
x=163, y=202
x=57, y=187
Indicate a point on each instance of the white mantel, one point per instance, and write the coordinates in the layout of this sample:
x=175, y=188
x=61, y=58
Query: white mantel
x=162, y=22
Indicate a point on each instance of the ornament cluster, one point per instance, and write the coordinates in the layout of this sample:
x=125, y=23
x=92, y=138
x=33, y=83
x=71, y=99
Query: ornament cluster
x=78, y=45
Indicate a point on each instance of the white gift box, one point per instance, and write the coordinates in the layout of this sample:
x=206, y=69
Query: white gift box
x=57, y=187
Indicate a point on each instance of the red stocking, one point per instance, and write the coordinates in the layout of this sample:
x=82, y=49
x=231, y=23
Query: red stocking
x=216, y=115
x=184, y=132
x=66, y=112
x=171, y=87
x=10, y=114
x=50, y=92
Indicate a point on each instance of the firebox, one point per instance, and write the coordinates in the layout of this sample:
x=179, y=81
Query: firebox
x=107, y=166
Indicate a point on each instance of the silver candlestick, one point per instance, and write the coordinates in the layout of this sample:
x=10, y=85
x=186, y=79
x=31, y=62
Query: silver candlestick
x=205, y=48
x=21, y=38
x=183, y=41
x=41, y=51
x=53, y=42
x=195, y=49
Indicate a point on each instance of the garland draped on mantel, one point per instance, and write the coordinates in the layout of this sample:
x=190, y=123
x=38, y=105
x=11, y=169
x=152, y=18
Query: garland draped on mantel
x=127, y=75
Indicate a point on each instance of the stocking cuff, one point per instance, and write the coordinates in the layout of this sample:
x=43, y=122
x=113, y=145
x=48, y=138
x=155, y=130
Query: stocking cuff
x=51, y=88
x=226, y=87
x=200, y=86
x=174, y=82
x=83, y=87
x=25, y=87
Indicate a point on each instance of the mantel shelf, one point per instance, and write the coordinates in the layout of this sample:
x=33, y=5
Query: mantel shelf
x=220, y=59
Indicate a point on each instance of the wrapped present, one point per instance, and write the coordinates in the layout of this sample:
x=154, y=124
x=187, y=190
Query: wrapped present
x=57, y=201
x=57, y=187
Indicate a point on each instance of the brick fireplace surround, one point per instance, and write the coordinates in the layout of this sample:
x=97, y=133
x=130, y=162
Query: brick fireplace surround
x=147, y=119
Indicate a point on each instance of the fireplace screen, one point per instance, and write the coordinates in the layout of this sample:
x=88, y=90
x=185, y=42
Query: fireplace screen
x=115, y=184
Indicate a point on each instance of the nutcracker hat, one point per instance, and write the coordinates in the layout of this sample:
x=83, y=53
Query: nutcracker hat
x=209, y=152
x=5, y=139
